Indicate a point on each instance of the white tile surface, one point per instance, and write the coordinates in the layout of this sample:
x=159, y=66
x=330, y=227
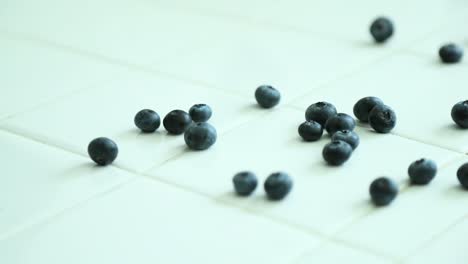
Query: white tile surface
x=110, y=111
x=145, y=222
x=39, y=181
x=333, y=196
x=419, y=213
x=421, y=91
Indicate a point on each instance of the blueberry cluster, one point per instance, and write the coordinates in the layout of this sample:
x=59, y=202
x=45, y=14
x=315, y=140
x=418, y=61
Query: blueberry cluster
x=277, y=185
x=198, y=134
x=372, y=110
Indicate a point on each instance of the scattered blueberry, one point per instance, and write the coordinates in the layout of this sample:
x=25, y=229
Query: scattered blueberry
x=340, y=122
x=347, y=136
x=381, y=29
x=337, y=152
x=267, y=96
x=382, y=119
x=383, y=191
x=363, y=107
x=147, y=120
x=177, y=121
x=244, y=183
x=460, y=114
x=320, y=112
x=422, y=171
x=103, y=151
x=462, y=175
x=200, y=113
x=450, y=53
x=310, y=131
x=278, y=185
x=200, y=136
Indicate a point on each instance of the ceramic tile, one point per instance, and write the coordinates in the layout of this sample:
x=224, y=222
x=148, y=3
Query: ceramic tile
x=422, y=93
x=144, y=222
x=39, y=181
x=336, y=253
x=449, y=248
x=333, y=196
x=419, y=213
x=30, y=75
x=110, y=111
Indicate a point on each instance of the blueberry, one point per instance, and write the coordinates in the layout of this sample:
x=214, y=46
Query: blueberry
x=177, y=121
x=320, y=112
x=347, y=136
x=460, y=114
x=422, y=171
x=278, y=185
x=382, y=119
x=200, y=113
x=200, y=136
x=103, y=151
x=363, y=107
x=462, y=175
x=147, y=120
x=450, y=53
x=383, y=191
x=339, y=122
x=310, y=131
x=267, y=96
x=244, y=183
x=337, y=152
x=381, y=29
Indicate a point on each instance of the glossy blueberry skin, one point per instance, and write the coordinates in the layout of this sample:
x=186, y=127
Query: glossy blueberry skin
x=382, y=119
x=147, y=120
x=200, y=136
x=460, y=114
x=450, y=53
x=337, y=152
x=422, y=171
x=200, y=113
x=363, y=107
x=320, y=112
x=278, y=185
x=381, y=29
x=462, y=175
x=340, y=122
x=245, y=183
x=177, y=121
x=383, y=191
x=267, y=96
x=347, y=136
x=103, y=151
x=310, y=131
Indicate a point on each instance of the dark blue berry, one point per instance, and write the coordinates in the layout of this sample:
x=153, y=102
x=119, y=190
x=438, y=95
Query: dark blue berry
x=320, y=112
x=363, y=107
x=382, y=119
x=267, y=96
x=200, y=113
x=147, y=120
x=460, y=114
x=450, y=53
x=278, y=185
x=177, y=121
x=383, y=191
x=462, y=175
x=244, y=183
x=200, y=136
x=337, y=152
x=347, y=136
x=381, y=29
x=422, y=171
x=340, y=122
x=103, y=151
x=310, y=131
